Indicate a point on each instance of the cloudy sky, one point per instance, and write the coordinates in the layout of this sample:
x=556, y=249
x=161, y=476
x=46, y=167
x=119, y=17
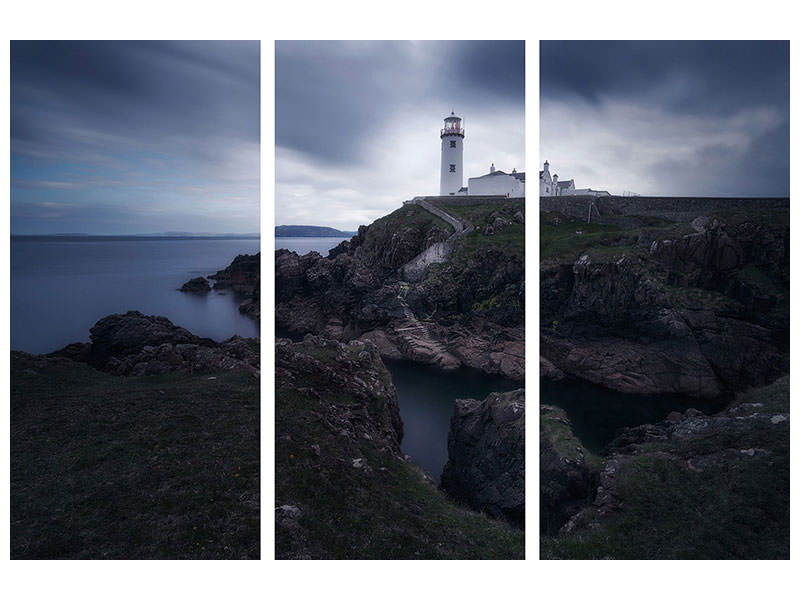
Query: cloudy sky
x=357, y=123
x=134, y=137
x=669, y=118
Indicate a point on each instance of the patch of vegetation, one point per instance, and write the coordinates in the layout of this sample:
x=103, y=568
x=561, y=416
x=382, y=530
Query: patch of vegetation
x=132, y=468
x=387, y=511
x=735, y=509
x=564, y=237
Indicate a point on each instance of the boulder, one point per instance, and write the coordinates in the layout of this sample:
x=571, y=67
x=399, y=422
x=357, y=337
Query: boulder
x=486, y=449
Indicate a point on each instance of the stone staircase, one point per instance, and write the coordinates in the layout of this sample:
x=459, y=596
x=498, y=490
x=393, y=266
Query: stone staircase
x=416, y=340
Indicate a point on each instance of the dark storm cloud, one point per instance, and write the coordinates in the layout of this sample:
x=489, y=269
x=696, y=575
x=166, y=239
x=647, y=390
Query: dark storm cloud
x=141, y=88
x=719, y=109
x=157, y=118
x=330, y=95
x=357, y=123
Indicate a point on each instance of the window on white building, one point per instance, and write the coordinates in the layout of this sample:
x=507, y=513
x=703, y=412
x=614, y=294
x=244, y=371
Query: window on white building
x=452, y=168
x=452, y=143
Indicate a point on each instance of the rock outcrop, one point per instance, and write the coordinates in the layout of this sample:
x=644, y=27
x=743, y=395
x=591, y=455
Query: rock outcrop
x=700, y=314
x=486, y=448
x=242, y=277
x=198, y=285
x=568, y=476
x=468, y=310
x=134, y=344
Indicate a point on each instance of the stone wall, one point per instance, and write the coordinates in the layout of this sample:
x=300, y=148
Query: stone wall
x=469, y=200
x=614, y=208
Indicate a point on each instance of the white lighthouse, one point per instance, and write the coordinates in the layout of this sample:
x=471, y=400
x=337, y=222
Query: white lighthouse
x=452, y=176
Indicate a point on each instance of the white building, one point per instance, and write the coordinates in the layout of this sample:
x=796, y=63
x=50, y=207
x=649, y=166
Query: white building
x=551, y=186
x=494, y=183
x=498, y=183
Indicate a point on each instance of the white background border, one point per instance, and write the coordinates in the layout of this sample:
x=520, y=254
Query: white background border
x=412, y=19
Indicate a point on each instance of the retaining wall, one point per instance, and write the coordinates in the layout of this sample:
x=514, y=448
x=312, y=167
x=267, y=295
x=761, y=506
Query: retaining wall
x=612, y=208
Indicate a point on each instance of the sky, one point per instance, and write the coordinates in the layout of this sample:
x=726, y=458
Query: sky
x=667, y=118
x=357, y=123
x=135, y=137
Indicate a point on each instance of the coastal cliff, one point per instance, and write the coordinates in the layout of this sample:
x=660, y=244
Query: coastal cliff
x=698, y=309
x=344, y=488
x=643, y=304
x=467, y=310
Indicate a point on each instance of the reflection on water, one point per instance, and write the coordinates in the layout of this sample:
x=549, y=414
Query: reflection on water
x=597, y=413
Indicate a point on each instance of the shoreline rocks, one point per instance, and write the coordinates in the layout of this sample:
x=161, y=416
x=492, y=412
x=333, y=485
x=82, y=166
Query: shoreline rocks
x=242, y=277
x=133, y=344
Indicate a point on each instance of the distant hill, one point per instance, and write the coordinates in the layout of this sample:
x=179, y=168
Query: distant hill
x=310, y=231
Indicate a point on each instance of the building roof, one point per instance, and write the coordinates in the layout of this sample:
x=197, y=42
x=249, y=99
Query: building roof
x=520, y=176
x=567, y=183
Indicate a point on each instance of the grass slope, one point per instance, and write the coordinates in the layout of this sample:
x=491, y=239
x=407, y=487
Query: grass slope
x=132, y=468
x=388, y=511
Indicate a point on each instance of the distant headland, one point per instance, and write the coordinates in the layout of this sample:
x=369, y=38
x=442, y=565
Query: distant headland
x=310, y=231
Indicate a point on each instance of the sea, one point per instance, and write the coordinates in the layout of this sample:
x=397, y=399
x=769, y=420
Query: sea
x=62, y=285
x=304, y=245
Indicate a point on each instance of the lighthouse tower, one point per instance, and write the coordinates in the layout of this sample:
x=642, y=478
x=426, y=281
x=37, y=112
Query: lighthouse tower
x=452, y=176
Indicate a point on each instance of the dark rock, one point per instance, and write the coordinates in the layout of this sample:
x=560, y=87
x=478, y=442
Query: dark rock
x=198, y=285
x=567, y=482
x=486, y=448
x=136, y=344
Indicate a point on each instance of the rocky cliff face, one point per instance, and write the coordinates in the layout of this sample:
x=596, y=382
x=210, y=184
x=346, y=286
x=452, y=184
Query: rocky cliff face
x=466, y=311
x=697, y=314
x=486, y=448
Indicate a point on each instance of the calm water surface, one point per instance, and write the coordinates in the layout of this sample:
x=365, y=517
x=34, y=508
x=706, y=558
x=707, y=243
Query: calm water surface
x=597, y=413
x=61, y=286
x=426, y=396
x=304, y=245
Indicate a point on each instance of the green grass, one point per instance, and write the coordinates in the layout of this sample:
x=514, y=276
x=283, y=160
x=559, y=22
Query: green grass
x=388, y=511
x=736, y=510
x=133, y=468
x=564, y=241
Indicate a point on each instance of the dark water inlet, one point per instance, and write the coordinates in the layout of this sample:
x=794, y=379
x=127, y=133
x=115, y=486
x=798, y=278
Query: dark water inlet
x=598, y=413
x=426, y=396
